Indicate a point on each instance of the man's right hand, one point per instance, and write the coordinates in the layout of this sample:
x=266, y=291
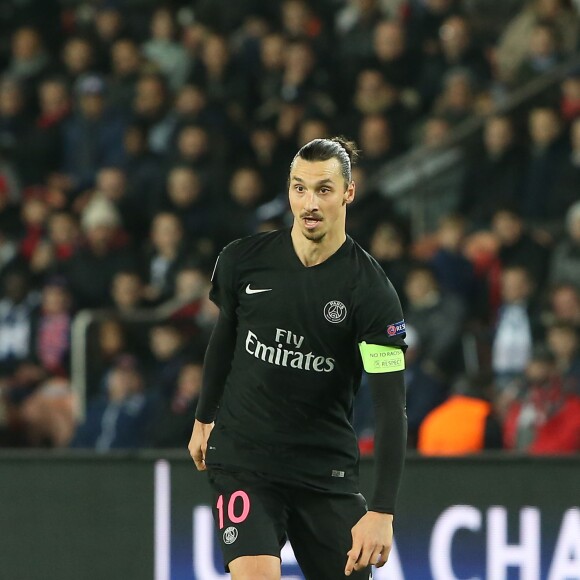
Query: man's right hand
x=198, y=443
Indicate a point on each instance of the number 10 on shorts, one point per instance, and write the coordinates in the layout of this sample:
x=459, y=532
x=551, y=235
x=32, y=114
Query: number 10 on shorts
x=232, y=508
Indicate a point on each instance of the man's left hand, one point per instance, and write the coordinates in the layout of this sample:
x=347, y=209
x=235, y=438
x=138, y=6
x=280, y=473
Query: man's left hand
x=372, y=538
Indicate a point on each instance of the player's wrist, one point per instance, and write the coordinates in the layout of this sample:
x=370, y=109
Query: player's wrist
x=388, y=517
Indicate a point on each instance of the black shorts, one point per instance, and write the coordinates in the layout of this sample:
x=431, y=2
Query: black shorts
x=254, y=516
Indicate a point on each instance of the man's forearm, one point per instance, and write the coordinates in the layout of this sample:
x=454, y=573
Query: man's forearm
x=216, y=367
x=388, y=392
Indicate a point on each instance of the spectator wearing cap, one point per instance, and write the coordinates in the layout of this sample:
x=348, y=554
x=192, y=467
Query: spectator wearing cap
x=93, y=136
x=119, y=418
x=91, y=269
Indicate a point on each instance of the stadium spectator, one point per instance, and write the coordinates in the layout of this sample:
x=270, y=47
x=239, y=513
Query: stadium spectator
x=185, y=197
x=91, y=269
x=163, y=257
x=564, y=305
x=565, y=187
x=164, y=51
x=458, y=50
x=425, y=391
x=465, y=423
x=494, y=173
x=515, y=39
x=389, y=247
x=127, y=292
x=546, y=154
x=93, y=136
x=173, y=418
x=563, y=343
x=424, y=20
x=50, y=328
x=169, y=349
x=355, y=26
x=455, y=273
x=565, y=261
x=40, y=146
x=376, y=140
x=119, y=418
x=151, y=109
x=48, y=414
x=438, y=318
x=391, y=55
x=30, y=60
x=78, y=59
x=541, y=56
x=126, y=65
x=545, y=418
x=17, y=306
x=570, y=96
x=13, y=119
x=366, y=213
x=516, y=327
x=517, y=246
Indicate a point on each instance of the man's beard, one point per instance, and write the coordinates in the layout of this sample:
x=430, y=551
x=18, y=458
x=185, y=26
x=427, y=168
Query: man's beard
x=314, y=237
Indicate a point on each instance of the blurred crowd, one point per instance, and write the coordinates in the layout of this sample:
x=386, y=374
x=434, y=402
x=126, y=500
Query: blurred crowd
x=138, y=138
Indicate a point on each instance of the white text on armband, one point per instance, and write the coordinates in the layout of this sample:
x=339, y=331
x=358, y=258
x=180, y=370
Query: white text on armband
x=283, y=357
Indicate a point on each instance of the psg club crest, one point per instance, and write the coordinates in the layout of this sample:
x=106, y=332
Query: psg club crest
x=335, y=311
x=230, y=535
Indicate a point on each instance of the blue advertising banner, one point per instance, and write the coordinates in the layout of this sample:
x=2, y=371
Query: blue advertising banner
x=148, y=516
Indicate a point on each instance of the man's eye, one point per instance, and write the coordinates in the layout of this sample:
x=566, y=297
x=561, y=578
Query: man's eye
x=299, y=188
x=324, y=190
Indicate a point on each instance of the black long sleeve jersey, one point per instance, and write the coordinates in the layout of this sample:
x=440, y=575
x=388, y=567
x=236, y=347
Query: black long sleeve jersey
x=288, y=398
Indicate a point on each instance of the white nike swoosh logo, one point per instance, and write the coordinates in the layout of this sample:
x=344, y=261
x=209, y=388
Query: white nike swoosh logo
x=256, y=290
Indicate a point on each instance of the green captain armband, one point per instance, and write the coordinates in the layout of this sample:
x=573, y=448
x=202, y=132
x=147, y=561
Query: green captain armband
x=381, y=359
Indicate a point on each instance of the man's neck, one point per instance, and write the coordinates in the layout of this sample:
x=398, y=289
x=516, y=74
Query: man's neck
x=312, y=253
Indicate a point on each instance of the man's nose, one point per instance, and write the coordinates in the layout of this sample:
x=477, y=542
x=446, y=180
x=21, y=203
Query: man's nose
x=310, y=201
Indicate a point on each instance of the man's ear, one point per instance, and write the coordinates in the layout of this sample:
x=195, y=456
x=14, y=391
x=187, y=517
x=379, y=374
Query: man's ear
x=349, y=194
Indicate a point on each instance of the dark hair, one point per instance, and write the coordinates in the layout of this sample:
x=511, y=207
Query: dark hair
x=339, y=148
